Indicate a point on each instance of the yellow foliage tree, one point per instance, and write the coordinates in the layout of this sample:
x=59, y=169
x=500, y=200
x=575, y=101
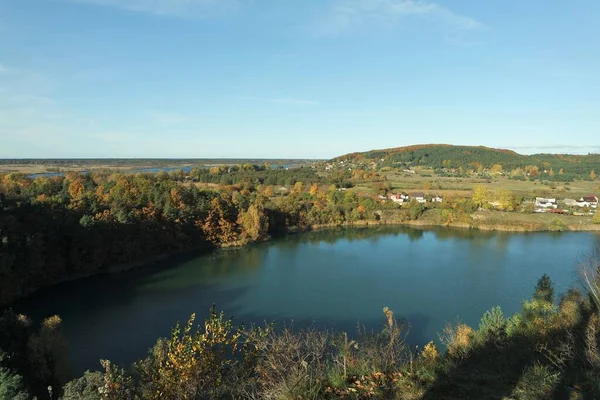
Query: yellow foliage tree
x=76, y=189
x=496, y=169
x=481, y=195
x=254, y=222
x=507, y=200
x=314, y=189
x=593, y=174
x=297, y=189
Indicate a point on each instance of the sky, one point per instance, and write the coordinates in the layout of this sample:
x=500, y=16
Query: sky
x=295, y=79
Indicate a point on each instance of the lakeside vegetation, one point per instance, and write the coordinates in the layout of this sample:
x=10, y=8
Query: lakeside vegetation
x=548, y=350
x=59, y=228
x=77, y=224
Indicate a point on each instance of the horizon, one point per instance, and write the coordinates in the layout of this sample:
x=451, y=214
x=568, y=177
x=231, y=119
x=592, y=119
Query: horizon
x=281, y=158
x=241, y=79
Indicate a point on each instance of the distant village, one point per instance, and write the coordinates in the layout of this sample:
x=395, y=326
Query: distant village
x=567, y=206
x=583, y=206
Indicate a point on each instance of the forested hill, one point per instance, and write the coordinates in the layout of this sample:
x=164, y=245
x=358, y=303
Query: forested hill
x=477, y=157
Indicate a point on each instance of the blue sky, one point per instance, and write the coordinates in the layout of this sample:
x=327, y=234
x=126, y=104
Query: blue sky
x=299, y=79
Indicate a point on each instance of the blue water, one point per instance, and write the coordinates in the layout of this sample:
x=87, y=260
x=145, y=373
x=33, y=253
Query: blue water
x=330, y=279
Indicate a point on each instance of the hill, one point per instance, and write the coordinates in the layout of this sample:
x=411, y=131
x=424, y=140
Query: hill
x=438, y=156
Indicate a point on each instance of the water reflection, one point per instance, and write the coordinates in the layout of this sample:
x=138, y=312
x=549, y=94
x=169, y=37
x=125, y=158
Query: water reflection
x=329, y=278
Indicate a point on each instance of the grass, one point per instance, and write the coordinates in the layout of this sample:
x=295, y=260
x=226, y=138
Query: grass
x=463, y=186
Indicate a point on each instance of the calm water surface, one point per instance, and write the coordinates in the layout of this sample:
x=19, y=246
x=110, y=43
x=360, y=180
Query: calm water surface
x=329, y=278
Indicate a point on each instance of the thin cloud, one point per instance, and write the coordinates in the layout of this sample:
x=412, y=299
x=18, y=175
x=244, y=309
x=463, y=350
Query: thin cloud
x=178, y=8
x=281, y=100
x=345, y=15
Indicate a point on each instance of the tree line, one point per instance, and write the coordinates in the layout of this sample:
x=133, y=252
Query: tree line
x=64, y=227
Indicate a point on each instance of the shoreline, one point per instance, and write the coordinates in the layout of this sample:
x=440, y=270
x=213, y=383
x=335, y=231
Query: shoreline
x=419, y=223
x=459, y=225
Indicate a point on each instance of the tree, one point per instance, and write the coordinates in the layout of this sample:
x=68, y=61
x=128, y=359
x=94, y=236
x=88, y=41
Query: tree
x=561, y=171
x=544, y=290
x=11, y=385
x=507, y=200
x=480, y=195
x=254, y=222
x=593, y=174
x=596, y=218
x=496, y=169
x=219, y=227
x=297, y=189
x=269, y=191
x=534, y=171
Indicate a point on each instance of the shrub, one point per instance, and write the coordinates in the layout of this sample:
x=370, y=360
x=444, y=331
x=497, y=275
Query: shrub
x=458, y=339
x=430, y=354
x=557, y=225
x=544, y=290
x=292, y=365
x=492, y=324
x=85, y=388
x=569, y=307
x=592, y=339
x=191, y=364
x=513, y=325
x=536, y=383
x=382, y=352
x=11, y=385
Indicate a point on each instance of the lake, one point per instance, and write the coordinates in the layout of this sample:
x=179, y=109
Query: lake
x=332, y=278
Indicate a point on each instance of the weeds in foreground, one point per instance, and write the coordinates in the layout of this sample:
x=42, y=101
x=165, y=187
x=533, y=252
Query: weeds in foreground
x=546, y=351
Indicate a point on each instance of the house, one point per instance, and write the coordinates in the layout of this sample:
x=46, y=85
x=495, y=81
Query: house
x=570, y=202
x=419, y=197
x=437, y=199
x=588, y=201
x=545, y=203
x=399, y=198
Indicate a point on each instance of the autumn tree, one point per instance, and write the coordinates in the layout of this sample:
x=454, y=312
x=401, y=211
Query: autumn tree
x=593, y=174
x=480, y=195
x=219, y=227
x=269, y=191
x=314, y=189
x=297, y=189
x=496, y=169
x=507, y=200
x=254, y=223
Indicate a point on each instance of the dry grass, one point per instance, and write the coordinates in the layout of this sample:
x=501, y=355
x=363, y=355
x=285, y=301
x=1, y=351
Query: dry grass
x=464, y=186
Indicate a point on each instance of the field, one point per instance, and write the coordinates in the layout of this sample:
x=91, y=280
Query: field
x=428, y=182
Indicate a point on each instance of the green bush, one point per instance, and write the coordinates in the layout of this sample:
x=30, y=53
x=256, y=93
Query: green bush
x=85, y=388
x=11, y=385
x=492, y=324
x=557, y=225
x=536, y=383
